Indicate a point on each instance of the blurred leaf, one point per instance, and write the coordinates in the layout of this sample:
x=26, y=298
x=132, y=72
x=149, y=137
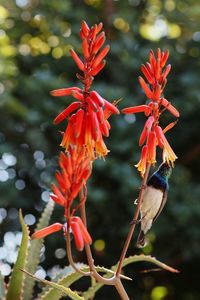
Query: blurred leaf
x=35, y=248
x=16, y=283
x=68, y=276
x=2, y=287
x=61, y=289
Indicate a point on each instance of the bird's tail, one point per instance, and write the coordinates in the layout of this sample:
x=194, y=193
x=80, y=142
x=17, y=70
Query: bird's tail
x=141, y=241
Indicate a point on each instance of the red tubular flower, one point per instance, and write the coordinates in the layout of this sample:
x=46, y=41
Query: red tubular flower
x=152, y=147
x=141, y=165
x=79, y=242
x=87, y=123
x=47, y=231
x=81, y=235
x=168, y=154
x=155, y=73
x=135, y=109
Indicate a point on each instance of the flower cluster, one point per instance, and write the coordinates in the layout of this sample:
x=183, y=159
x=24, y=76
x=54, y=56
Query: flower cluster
x=75, y=170
x=87, y=121
x=153, y=135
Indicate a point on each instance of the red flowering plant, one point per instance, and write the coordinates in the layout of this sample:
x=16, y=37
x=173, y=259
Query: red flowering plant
x=75, y=170
x=153, y=135
x=87, y=121
x=83, y=141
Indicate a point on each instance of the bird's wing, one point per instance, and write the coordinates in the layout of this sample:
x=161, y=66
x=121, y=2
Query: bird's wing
x=164, y=199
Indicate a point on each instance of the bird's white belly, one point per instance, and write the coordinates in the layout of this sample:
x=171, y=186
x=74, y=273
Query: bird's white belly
x=150, y=205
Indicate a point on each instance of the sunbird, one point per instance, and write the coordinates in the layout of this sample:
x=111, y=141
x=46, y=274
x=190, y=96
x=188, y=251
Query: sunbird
x=153, y=200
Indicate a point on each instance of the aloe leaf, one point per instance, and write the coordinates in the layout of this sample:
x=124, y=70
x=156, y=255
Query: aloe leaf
x=2, y=287
x=68, y=276
x=147, y=258
x=64, y=277
x=61, y=289
x=34, y=250
x=90, y=293
x=16, y=283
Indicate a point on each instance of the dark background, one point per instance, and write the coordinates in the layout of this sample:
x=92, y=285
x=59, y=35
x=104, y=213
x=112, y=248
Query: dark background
x=35, y=38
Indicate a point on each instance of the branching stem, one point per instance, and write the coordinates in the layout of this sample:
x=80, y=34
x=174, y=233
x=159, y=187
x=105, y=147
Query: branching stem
x=114, y=280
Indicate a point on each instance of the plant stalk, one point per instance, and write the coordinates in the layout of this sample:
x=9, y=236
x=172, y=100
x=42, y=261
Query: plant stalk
x=115, y=281
x=70, y=258
x=134, y=221
x=94, y=273
x=121, y=290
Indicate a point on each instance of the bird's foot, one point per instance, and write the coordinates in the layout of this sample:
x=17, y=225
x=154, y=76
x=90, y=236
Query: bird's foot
x=135, y=221
x=143, y=186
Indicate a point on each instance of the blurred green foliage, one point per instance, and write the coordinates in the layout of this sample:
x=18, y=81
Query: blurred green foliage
x=35, y=38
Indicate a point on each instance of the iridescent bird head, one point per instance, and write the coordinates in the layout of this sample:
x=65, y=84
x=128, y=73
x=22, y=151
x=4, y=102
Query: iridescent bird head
x=165, y=170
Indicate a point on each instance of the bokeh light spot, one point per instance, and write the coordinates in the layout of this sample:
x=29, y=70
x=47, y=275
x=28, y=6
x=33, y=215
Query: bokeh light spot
x=99, y=245
x=9, y=159
x=60, y=253
x=22, y=3
x=24, y=49
x=53, y=41
x=20, y=184
x=169, y=5
x=4, y=175
x=38, y=155
x=3, y=13
x=45, y=196
x=57, y=52
x=29, y=219
x=5, y=269
x=41, y=273
x=159, y=292
x=174, y=30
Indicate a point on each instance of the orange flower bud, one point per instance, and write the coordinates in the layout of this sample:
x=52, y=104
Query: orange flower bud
x=39, y=234
x=97, y=98
x=85, y=29
x=79, y=242
x=77, y=60
x=65, y=113
x=159, y=135
x=111, y=107
x=145, y=87
x=164, y=58
x=166, y=72
x=64, y=92
x=85, y=48
x=146, y=73
x=79, y=122
x=60, y=198
x=98, y=43
x=135, y=109
x=96, y=70
x=170, y=107
x=85, y=234
x=151, y=142
x=94, y=125
x=100, y=56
